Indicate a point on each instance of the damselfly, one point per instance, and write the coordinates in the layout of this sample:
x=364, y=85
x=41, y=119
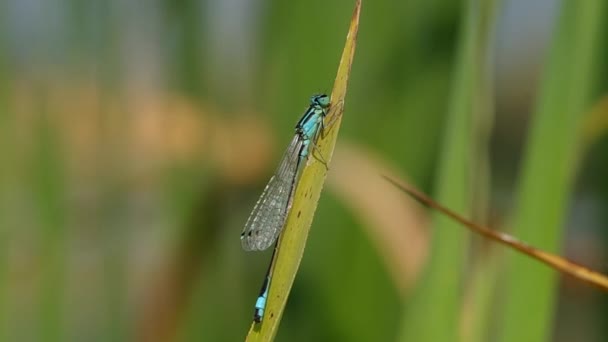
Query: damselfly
x=270, y=212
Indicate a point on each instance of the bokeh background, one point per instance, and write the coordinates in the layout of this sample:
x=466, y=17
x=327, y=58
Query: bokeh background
x=135, y=138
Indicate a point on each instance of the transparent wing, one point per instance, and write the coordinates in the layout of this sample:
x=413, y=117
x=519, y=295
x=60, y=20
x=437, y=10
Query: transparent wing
x=270, y=212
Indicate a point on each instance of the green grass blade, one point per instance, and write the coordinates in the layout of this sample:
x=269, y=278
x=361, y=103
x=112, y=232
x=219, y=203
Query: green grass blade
x=47, y=175
x=433, y=312
x=306, y=197
x=548, y=169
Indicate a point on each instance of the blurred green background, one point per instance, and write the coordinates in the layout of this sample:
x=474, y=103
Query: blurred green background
x=135, y=139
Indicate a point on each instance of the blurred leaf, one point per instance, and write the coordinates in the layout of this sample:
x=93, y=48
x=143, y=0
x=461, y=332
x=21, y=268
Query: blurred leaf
x=548, y=168
x=433, y=313
x=392, y=220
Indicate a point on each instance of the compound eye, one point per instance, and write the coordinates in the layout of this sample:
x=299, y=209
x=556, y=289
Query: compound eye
x=320, y=100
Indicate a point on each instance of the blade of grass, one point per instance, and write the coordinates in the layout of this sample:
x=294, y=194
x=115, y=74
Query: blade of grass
x=47, y=175
x=479, y=288
x=434, y=310
x=554, y=261
x=529, y=292
x=306, y=197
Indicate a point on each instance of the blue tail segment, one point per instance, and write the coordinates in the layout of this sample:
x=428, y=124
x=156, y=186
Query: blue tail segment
x=260, y=303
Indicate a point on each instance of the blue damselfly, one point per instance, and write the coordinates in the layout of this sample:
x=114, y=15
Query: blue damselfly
x=270, y=212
